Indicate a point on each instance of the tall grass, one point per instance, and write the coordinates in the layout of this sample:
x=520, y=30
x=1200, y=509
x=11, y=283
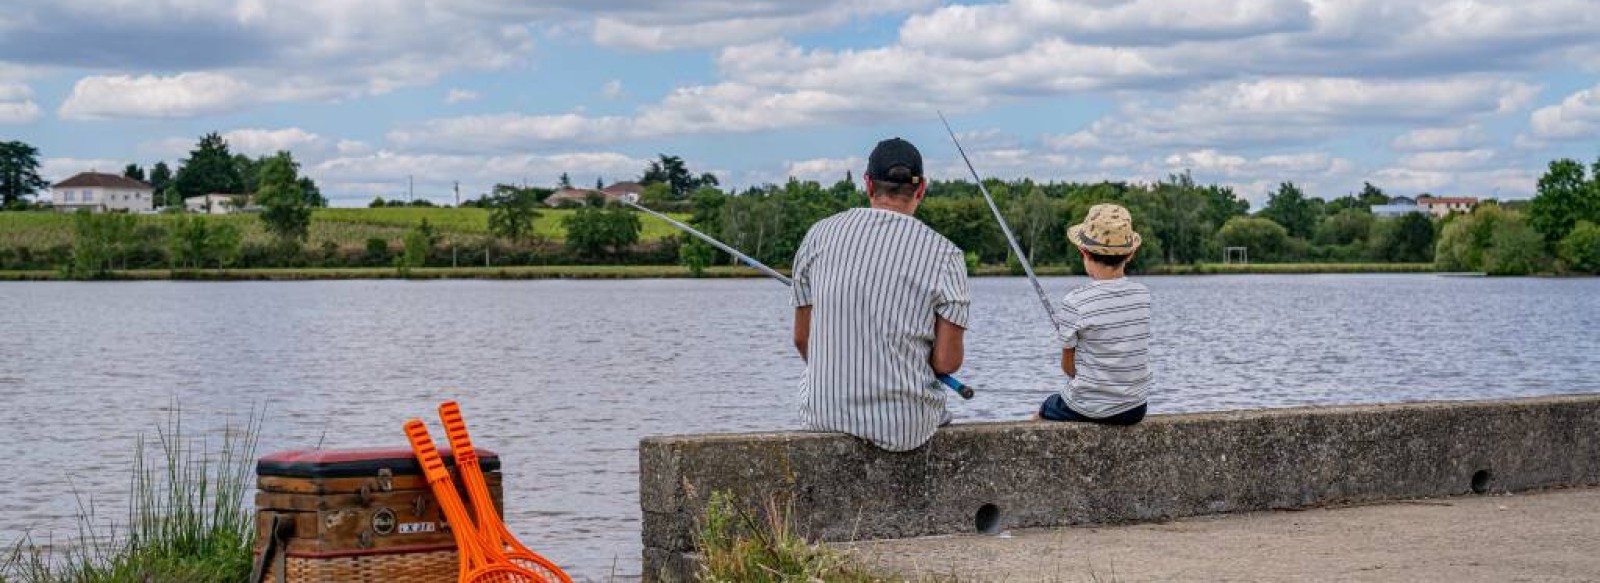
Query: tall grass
x=738, y=547
x=187, y=518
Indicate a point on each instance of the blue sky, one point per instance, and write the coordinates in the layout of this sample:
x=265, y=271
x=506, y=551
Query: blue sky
x=1449, y=97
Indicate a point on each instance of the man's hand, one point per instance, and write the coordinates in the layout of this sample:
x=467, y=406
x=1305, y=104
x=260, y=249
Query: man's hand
x=1069, y=361
x=947, y=347
x=802, y=330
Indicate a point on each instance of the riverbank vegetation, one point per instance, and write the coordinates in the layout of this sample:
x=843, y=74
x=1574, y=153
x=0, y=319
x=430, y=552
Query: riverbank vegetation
x=187, y=519
x=737, y=546
x=1188, y=227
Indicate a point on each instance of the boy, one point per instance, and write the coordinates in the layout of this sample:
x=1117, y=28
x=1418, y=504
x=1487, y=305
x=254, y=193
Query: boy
x=1105, y=328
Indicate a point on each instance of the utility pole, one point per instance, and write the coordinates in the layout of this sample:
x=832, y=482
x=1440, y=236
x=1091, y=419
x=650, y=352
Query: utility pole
x=458, y=194
x=411, y=192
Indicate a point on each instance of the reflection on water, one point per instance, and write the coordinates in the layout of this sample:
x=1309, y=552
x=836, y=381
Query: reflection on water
x=563, y=378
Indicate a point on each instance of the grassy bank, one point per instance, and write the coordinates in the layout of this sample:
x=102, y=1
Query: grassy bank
x=346, y=228
x=187, y=519
x=1220, y=269
x=738, y=546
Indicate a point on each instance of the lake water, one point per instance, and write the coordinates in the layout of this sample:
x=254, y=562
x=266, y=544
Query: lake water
x=564, y=377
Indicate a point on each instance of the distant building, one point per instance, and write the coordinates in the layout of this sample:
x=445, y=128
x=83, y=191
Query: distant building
x=217, y=203
x=1442, y=206
x=101, y=192
x=1396, y=209
x=580, y=196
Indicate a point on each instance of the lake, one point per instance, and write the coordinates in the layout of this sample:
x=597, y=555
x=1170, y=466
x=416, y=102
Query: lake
x=563, y=378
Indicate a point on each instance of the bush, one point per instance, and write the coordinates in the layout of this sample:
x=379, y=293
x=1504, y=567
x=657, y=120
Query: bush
x=1264, y=239
x=1491, y=240
x=737, y=546
x=377, y=253
x=1581, y=248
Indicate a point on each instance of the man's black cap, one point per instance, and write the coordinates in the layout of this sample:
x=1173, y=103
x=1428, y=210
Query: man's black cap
x=891, y=153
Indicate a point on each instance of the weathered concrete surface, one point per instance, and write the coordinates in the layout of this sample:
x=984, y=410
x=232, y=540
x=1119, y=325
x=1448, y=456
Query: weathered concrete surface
x=1046, y=474
x=1546, y=536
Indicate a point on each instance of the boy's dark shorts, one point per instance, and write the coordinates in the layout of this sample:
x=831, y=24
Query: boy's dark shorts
x=1055, y=409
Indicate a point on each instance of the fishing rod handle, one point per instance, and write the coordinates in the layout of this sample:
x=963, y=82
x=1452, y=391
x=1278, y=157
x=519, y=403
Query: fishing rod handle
x=960, y=388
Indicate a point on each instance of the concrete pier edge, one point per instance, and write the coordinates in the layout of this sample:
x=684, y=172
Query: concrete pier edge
x=1010, y=475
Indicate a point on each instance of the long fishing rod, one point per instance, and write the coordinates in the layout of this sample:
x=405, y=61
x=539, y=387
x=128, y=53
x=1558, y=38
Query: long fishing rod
x=960, y=388
x=1012, y=239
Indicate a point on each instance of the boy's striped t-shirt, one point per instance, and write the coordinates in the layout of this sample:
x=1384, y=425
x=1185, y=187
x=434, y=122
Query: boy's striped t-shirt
x=876, y=281
x=1108, y=323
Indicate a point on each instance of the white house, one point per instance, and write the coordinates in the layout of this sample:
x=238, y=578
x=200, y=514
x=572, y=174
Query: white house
x=1442, y=206
x=216, y=203
x=630, y=191
x=100, y=192
x=1396, y=209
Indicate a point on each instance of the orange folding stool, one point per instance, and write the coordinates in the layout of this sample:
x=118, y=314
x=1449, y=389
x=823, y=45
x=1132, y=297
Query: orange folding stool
x=491, y=528
x=480, y=562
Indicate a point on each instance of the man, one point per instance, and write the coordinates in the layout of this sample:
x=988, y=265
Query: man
x=880, y=309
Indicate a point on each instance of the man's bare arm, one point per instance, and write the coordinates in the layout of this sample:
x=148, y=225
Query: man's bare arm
x=1069, y=362
x=802, y=330
x=948, y=348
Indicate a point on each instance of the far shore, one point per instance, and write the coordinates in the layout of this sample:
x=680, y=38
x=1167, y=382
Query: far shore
x=662, y=272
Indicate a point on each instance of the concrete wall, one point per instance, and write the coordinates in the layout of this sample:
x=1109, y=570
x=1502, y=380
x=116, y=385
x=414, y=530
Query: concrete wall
x=1018, y=475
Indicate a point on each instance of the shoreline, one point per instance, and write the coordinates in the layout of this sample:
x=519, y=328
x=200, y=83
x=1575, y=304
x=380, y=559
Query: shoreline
x=661, y=272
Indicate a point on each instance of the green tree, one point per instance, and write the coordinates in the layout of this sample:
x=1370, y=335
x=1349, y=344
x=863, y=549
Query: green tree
x=695, y=255
x=1290, y=208
x=377, y=203
x=210, y=168
x=1348, y=226
x=160, y=182
x=99, y=240
x=1405, y=239
x=1565, y=196
x=1491, y=240
x=513, y=212
x=1033, y=217
x=593, y=231
x=1581, y=248
x=19, y=174
x=1264, y=239
x=283, y=205
x=312, y=194
x=418, y=242
x=565, y=181
x=197, y=242
x=672, y=171
x=133, y=171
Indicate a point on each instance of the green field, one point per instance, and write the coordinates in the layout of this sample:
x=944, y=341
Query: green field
x=344, y=227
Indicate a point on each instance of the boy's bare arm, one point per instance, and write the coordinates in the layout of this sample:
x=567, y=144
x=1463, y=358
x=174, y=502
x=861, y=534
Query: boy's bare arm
x=1069, y=362
x=802, y=330
x=948, y=346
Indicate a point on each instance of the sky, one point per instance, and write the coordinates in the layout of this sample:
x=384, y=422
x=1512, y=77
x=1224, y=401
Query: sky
x=1450, y=97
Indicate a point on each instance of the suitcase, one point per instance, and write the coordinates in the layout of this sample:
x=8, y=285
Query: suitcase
x=355, y=516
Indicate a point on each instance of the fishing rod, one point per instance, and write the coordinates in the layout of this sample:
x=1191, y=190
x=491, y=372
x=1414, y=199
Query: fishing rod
x=1012, y=239
x=960, y=388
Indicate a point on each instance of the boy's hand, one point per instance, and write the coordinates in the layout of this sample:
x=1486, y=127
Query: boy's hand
x=1069, y=362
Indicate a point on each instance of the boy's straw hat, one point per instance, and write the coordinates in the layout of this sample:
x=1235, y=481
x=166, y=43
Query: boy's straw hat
x=1108, y=230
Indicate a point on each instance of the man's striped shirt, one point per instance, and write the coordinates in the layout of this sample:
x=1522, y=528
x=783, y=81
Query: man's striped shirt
x=1108, y=322
x=875, y=280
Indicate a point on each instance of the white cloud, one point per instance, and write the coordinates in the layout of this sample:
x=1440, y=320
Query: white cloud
x=460, y=96
x=1576, y=117
x=58, y=169
x=264, y=142
x=181, y=95
x=826, y=170
x=356, y=179
x=1287, y=111
x=1448, y=160
x=16, y=104
x=612, y=89
x=1451, y=138
x=993, y=29
x=717, y=24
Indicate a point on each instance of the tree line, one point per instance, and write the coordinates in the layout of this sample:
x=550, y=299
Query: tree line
x=1184, y=222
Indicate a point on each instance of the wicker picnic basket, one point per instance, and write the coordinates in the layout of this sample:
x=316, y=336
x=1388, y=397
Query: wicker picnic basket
x=354, y=516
